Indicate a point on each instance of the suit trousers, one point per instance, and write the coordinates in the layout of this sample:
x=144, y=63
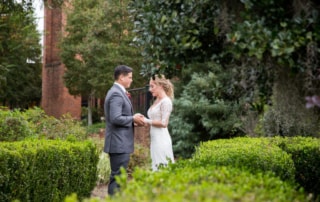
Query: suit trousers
x=117, y=160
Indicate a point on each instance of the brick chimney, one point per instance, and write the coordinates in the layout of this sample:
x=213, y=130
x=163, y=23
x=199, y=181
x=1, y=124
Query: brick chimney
x=56, y=99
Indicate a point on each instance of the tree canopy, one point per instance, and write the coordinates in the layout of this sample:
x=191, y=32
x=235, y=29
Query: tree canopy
x=263, y=54
x=98, y=38
x=20, y=55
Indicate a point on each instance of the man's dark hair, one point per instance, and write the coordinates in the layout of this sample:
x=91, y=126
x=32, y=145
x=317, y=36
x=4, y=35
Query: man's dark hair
x=121, y=69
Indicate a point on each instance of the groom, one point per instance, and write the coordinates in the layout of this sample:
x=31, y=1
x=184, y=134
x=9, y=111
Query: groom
x=120, y=122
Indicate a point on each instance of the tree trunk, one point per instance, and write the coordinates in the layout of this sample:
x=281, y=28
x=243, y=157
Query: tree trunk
x=90, y=110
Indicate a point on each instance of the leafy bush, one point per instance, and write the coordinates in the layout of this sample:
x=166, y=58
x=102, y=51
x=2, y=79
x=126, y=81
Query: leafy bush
x=95, y=128
x=184, y=181
x=253, y=154
x=13, y=126
x=222, y=170
x=17, y=125
x=205, y=110
x=140, y=158
x=305, y=152
x=288, y=115
x=46, y=170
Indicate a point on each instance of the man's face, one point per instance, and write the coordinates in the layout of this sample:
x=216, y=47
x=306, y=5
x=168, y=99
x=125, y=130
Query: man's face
x=126, y=80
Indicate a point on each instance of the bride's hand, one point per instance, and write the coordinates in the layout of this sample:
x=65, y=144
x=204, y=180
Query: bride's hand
x=147, y=121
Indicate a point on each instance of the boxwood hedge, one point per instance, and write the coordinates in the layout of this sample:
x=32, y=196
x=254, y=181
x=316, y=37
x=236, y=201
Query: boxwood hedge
x=253, y=154
x=186, y=182
x=305, y=152
x=46, y=170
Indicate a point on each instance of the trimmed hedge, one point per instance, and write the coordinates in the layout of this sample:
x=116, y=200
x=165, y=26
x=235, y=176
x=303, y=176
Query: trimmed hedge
x=239, y=169
x=185, y=182
x=253, y=154
x=46, y=170
x=305, y=152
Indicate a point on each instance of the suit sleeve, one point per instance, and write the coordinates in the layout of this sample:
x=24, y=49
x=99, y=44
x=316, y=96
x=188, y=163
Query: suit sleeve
x=120, y=111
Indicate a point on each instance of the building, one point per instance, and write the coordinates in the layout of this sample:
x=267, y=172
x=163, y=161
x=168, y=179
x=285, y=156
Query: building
x=56, y=99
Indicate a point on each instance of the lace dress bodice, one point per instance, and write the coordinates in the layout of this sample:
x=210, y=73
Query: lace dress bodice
x=161, y=111
x=161, y=144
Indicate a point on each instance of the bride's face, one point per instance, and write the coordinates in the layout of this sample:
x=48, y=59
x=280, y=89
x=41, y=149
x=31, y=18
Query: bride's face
x=154, y=88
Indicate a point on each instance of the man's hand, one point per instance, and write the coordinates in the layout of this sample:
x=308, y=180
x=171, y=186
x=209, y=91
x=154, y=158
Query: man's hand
x=138, y=119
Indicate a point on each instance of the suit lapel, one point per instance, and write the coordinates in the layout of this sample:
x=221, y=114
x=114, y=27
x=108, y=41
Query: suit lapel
x=124, y=95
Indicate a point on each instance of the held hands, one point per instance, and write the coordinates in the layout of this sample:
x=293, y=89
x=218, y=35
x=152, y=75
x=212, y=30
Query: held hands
x=147, y=121
x=138, y=119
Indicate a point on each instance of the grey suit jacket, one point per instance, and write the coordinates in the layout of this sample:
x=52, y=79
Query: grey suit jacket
x=119, y=137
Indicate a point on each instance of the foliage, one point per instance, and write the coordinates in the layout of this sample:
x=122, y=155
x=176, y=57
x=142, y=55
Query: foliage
x=13, y=126
x=283, y=38
x=97, y=113
x=175, y=33
x=139, y=159
x=253, y=42
x=252, y=154
x=288, y=116
x=222, y=170
x=42, y=170
x=98, y=39
x=202, y=179
x=205, y=110
x=34, y=123
x=179, y=32
x=210, y=183
x=306, y=156
x=95, y=128
x=20, y=55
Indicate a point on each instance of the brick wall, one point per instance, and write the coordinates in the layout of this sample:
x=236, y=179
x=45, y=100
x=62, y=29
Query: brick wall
x=56, y=99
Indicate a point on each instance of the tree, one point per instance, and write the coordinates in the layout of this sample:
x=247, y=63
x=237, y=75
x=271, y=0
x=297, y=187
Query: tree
x=261, y=46
x=98, y=38
x=20, y=55
x=174, y=34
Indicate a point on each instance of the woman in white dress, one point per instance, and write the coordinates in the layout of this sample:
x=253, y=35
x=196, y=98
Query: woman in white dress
x=159, y=114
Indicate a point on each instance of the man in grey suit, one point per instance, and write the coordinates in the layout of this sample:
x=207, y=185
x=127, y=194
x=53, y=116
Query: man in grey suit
x=120, y=121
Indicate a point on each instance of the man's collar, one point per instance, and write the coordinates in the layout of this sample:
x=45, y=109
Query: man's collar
x=121, y=86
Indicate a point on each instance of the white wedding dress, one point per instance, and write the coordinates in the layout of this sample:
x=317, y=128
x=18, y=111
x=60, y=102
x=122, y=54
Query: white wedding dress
x=161, y=144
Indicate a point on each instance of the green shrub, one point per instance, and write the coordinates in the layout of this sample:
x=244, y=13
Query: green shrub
x=186, y=182
x=253, y=154
x=140, y=158
x=17, y=125
x=95, y=128
x=205, y=109
x=305, y=152
x=42, y=170
x=13, y=126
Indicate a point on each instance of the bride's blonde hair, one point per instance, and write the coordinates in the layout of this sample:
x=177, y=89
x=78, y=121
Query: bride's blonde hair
x=165, y=83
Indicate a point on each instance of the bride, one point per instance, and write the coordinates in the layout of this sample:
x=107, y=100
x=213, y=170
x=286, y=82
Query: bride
x=159, y=113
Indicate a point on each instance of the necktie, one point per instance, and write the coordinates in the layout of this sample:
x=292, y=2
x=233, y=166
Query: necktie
x=128, y=94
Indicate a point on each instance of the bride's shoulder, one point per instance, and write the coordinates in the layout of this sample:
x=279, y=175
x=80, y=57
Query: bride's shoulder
x=167, y=100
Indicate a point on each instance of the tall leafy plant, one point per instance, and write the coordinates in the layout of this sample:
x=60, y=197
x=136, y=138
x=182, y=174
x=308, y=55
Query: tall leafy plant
x=205, y=110
x=20, y=55
x=98, y=37
x=175, y=33
x=283, y=37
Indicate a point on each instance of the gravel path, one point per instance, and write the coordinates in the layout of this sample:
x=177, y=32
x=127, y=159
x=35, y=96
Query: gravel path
x=100, y=191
